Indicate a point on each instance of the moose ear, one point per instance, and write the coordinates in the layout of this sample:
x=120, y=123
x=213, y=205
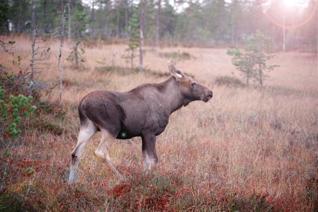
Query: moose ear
x=175, y=73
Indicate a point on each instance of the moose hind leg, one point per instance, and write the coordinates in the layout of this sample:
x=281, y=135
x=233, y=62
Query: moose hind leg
x=102, y=151
x=85, y=133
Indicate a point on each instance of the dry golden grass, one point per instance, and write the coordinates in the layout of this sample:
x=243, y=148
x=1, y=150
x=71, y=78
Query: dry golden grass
x=243, y=147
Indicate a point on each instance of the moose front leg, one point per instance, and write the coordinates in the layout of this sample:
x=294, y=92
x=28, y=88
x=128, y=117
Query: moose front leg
x=149, y=151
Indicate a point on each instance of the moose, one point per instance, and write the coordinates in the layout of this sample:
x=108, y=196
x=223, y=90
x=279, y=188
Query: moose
x=141, y=112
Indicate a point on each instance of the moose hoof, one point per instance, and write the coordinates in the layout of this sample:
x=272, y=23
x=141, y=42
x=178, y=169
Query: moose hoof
x=99, y=154
x=72, y=177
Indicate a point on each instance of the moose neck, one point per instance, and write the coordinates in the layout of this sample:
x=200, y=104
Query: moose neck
x=172, y=95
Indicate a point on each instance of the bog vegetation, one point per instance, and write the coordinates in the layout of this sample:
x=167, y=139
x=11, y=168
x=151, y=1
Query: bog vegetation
x=253, y=147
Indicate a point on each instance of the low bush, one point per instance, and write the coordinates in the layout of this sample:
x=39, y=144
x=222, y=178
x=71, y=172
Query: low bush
x=15, y=110
x=229, y=82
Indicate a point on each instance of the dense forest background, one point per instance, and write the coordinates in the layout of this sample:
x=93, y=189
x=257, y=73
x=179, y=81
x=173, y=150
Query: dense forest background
x=204, y=22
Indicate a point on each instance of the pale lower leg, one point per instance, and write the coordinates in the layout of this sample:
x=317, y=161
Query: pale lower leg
x=102, y=151
x=83, y=137
x=149, y=161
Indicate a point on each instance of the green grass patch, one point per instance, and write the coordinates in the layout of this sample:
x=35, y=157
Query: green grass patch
x=176, y=55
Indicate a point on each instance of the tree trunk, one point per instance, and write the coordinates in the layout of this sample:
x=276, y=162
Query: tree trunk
x=141, y=34
x=316, y=7
x=18, y=25
x=232, y=33
x=158, y=22
x=248, y=76
x=60, y=62
x=132, y=56
x=33, y=26
x=44, y=17
x=76, y=54
x=92, y=27
x=118, y=19
x=260, y=75
x=126, y=17
x=69, y=20
x=284, y=31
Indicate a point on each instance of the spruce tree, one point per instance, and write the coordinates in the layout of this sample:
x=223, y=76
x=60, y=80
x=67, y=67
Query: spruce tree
x=133, y=36
x=252, y=60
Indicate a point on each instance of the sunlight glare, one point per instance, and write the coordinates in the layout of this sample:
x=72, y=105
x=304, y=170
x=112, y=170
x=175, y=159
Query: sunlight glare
x=293, y=3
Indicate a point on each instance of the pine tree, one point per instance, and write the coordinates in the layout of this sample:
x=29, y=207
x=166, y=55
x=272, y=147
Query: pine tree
x=252, y=60
x=133, y=36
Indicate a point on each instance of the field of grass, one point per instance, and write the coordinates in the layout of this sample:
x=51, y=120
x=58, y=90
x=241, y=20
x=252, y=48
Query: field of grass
x=248, y=149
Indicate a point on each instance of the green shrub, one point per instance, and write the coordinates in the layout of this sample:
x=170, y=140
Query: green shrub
x=12, y=202
x=14, y=111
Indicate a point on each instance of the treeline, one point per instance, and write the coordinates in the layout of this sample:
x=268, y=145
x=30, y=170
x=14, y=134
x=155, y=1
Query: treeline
x=206, y=22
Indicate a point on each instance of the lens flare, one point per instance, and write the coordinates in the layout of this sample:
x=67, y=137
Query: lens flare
x=287, y=10
x=294, y=3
